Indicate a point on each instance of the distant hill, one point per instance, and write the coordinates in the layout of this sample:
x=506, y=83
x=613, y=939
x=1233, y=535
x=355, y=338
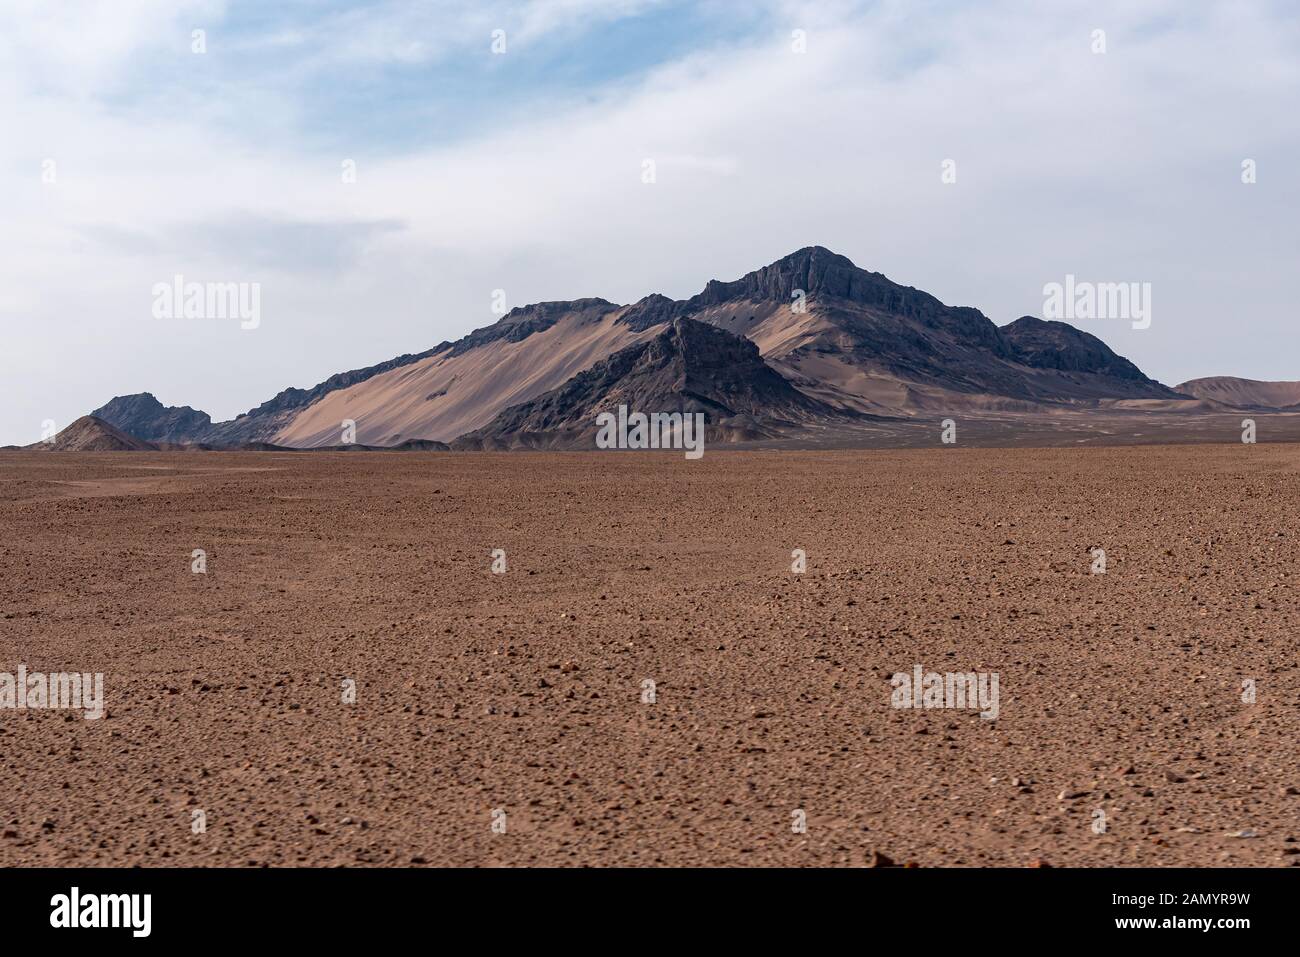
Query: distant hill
x=91, y=434
x=1244, y=393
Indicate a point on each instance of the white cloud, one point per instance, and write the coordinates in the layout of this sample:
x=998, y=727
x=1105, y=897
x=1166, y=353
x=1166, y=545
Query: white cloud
x=1115, y=167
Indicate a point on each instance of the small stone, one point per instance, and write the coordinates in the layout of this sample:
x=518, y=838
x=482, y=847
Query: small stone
x=880, y=860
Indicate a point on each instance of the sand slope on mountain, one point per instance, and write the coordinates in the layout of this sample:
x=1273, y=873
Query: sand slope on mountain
x=688, y=367
x=143, y=415
x=458, y=390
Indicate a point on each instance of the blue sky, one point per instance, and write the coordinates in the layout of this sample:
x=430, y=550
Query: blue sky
x=521, y=172
x=410, y=75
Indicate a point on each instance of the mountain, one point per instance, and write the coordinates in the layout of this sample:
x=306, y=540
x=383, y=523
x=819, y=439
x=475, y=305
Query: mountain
x=689, y=367
x=1244, y=393
x=90, y=434
x=850, y=340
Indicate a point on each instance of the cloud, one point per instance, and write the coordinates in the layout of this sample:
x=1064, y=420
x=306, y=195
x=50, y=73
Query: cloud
x=285, y=245
x=87, y=47
x=1122, y=166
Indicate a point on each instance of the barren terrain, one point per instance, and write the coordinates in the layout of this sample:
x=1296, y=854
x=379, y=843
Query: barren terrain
x=523, y=692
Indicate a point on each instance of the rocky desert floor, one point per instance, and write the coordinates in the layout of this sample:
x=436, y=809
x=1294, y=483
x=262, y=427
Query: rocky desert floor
x=519, y=699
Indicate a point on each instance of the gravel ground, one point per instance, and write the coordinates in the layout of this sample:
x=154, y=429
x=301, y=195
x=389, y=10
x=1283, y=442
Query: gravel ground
x=503, y=719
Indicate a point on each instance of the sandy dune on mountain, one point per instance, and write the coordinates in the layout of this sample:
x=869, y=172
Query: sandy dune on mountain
x=774, y=327
x=450, y=394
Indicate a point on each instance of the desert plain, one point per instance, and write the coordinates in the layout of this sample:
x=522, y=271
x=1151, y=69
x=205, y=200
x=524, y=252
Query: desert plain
x=505, y=719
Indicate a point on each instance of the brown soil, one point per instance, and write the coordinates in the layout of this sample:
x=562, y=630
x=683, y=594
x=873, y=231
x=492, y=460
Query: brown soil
x=523, y=691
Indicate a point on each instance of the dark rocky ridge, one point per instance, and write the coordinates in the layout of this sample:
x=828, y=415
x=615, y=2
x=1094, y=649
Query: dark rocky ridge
x=522, y=321
x=824, y=275
x=143, y=416
x=653, y=310
x=1048, y=344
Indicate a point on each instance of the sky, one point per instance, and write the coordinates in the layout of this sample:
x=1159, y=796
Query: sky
x=387, y=172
